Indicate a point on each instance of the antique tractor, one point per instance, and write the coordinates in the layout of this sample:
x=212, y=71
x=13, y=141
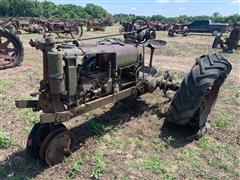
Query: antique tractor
x=11, y=49
x=65, y=27
x=178, y=29
x=231, y=43
x=78, y=79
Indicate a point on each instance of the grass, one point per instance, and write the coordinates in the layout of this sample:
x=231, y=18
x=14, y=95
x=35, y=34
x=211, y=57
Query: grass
x=208, y=144
x=159, y=146
x=5, y=140
x=191, y=157
x=99, y=165
x=220, y=155
x=76, y=167
x=5, y=85
x=118, y=143
x=220, y=163
x=30, y=116
x=223, y=119
x=99, y=128
x=156, y=164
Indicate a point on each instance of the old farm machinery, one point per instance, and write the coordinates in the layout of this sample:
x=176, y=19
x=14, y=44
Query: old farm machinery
x=11, y=49
x=231, y=43
x=63, y=27
x=78, y=79
x=177, y=29
x=95, y=25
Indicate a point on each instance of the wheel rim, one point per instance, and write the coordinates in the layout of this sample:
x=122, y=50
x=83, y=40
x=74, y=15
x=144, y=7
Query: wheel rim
x=56, y=146
x=208, y=104
x=75, y=33
x=9, y=52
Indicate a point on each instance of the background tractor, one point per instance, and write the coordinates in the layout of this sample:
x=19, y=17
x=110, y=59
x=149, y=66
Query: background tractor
x=78, y=79
x=11, y=49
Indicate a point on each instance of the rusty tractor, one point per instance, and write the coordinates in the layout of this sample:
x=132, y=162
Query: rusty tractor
x=177, y=29
x=11, y=49
x=65, y=27
x=23, y=23
x=231, y=43
x=95, y=26
x=78, y=79
x=159, y=26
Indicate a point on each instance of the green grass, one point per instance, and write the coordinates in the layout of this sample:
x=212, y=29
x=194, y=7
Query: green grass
x=118, y=143
x=218, y=155
x=191, y=157
x=76, y=167
x=220, y=163
x=208, y=144
x=156, y=164
x=223, y=119
x=5, y=85
x=99, y=128
x=30, y=116
x=5, y=140
x=159, y=146
x=99, y=165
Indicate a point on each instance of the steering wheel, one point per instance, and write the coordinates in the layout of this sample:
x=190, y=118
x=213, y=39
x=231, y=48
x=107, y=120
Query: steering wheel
x=140, y=29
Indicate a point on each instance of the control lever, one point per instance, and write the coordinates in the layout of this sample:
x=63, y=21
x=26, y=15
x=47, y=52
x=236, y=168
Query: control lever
x=155, y=44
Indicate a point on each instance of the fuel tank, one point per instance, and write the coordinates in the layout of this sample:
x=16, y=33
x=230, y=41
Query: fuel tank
x=124, y=54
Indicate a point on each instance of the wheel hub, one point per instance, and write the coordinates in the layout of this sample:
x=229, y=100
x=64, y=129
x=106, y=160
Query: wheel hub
x=58, y=144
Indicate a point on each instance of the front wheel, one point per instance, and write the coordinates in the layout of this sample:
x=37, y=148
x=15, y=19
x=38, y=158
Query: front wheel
x=198, y=92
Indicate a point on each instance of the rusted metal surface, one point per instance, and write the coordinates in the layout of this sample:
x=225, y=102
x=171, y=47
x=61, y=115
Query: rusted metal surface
x=57, y=144
x=177, y=29
x=96, y=25
x=11, y=49
x=44, y=25
x=159, y=26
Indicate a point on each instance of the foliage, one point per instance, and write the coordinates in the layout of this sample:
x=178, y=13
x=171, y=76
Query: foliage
x=5, y=140
x=216, y=17
x=99, y=165
x=36, y=8
x=76, y=167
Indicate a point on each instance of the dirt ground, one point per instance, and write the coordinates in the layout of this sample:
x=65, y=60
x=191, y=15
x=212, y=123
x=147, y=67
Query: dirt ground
x=127, y=140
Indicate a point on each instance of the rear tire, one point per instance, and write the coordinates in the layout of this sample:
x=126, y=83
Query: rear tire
x=198, y=92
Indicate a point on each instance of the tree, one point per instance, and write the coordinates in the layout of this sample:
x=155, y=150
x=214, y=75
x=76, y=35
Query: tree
x=95, y=11
x=215, y=14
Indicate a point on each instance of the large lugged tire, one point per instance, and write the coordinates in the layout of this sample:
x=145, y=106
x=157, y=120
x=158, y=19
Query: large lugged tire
x=198, y=92
x=12, y=43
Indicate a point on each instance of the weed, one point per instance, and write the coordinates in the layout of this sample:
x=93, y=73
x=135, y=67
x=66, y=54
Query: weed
x=125, y=176
x=169, y=140
x=99, y=128
x=208, y=144
x=159, y=146
x=191, y=157
x=75, y=167
x=99, y=165
x=220, y=163
x=5, y=140
x=5, y=85
x=30, y=116
x=118, y=143
x=156, y=164
x=222, y=120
